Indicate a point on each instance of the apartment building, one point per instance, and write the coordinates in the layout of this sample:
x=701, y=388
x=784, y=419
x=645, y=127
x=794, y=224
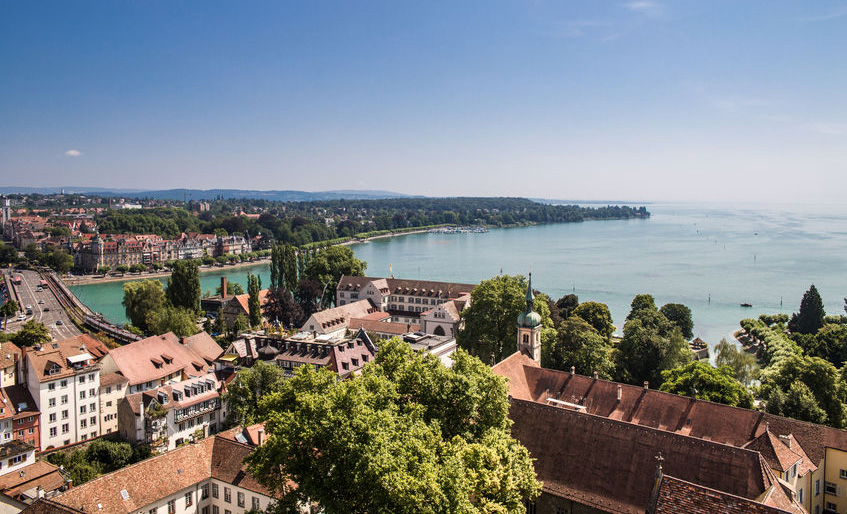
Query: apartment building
x=207, y=477
x=63, y=378
x=10, y=357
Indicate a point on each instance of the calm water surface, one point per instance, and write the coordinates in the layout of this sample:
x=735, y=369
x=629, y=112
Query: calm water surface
x=711, y=258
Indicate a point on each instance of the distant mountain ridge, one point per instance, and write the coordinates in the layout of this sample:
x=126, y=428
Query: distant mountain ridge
x=211, y=194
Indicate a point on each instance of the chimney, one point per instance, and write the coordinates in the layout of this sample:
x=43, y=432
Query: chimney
x=620, y=392
x=259, y=436
x=646, y=385
x=223, y=287
x=573, y=370
x=595, y=375
x=786, y=439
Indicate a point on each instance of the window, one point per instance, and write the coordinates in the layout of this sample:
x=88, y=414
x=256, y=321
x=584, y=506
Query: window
x=152, y=511
x=82, y=409
x=51, y=402
x=53, y=432
x=214, y=490
x=830, y=488
x=51, y=386
x=82, y=395
x=65, y=428
x=83, y=423
x=82, y=379
x=30, y=430
x=92, y=407
x=204, y=492
x=108, y=389
x=206, y=509
x=17, y=459
x=93, y=421
x=189, y=499
x=64, y=399
x=843, y=473
x=65, y=414
x=227, y=495
x=831, y=506
x=53, y=417
x=800, y=495
x=108, y=404
x=63, y=383
x=240, y=499
x=171, y=506
x=91, y=377
x=92, y=392
x=215, y=509
x=255, y=503
x=817, y=487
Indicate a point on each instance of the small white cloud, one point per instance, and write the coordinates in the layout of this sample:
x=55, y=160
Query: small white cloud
x=825, y=17
x=645, y=7
x=73, y=153
x=828, y=128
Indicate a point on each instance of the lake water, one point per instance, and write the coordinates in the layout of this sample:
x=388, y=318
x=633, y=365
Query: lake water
x=711, y=258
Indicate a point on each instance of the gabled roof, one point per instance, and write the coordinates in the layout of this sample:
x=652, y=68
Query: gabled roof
x=675, y=496
x=149, y=481
x=155, y=357
x=609, y=464
x=666, y=411
x=59, y=352
x=40, y=473
x=21, y=403
x=776, y=453
x=203, y=345
x=338, y=318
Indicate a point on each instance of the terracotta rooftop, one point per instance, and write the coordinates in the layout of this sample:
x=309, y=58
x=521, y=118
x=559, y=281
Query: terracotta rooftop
x=339, y=317
x=608, y=464
x=203, y=345
x=675, y=496
x=38, y=474
x=776, y=452
x=156, y=357
x=649, y=407
x=382, y=327
x=406, y=286
x=51, y=361
x=150, y=480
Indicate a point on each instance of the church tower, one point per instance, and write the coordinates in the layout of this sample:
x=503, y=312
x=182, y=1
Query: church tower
x=529, y=327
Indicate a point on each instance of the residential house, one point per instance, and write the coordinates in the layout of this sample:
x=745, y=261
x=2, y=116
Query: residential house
x=171, y=415
x=24, y=418
x=24, y=480
x=63, y=378
x=10, y=357
x=336, y=320
x=239, y=305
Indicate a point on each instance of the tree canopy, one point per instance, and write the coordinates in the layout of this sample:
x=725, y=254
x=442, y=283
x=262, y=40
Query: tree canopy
x=651, y=344
x=140, y=298
x=578, y=344
x=248, y=387
x=411, y=435
x=679, y=315
x=598, y=316
x=705, y=382
x=328, y=265
x=490, y=329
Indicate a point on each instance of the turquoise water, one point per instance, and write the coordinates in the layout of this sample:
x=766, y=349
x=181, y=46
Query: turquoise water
x=711, y=258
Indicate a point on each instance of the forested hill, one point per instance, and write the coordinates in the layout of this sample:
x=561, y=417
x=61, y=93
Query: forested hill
x=307, y=222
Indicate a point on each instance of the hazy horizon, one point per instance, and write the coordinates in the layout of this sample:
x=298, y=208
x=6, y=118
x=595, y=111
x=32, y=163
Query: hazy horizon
x=658, y=101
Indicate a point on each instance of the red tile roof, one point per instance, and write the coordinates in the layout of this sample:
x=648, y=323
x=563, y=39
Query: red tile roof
x=675, y=496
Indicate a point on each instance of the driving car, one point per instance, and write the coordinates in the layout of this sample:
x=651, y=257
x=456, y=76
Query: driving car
x=59, y=322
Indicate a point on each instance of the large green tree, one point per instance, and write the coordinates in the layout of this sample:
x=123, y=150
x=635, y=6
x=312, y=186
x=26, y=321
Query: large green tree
x=811, y=315
x=31, y=333
x=327, y=266
x=248, y=387
x=168, y=318
x=820, y=377
x=411, y=435
x=705, y=382
x=578, y=344
x=598, y=316
x=651, y=344
x=679, y=315
x=140, y=298
x=490, y=323
x=184, y=286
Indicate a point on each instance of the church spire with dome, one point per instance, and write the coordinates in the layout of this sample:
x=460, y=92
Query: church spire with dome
x=529, y=327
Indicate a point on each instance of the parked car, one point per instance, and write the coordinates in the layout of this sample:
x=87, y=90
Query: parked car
x=60, y=322
x=46, y=309
x=40, y=302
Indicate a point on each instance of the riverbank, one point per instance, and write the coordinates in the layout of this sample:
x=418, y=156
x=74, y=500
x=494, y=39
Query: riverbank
x=81, y=280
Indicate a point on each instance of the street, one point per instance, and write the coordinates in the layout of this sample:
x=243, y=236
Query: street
x=29, y=295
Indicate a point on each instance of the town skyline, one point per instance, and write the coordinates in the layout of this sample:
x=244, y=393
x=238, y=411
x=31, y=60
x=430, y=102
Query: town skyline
x=639, y=100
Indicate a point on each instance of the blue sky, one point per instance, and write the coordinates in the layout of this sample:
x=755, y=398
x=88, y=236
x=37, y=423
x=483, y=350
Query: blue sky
x=633, y=100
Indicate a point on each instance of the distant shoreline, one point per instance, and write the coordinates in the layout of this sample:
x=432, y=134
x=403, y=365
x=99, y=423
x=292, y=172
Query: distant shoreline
x=81, y=280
